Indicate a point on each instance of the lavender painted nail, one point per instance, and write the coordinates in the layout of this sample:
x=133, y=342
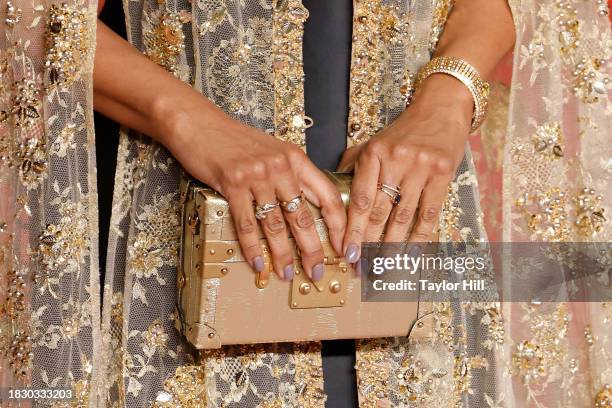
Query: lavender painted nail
x=317, y=272
x=352, y=253
x=258, y=263
x=288, y=272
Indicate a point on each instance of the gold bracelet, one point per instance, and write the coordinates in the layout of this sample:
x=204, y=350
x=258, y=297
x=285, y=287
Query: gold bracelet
x=468, y=75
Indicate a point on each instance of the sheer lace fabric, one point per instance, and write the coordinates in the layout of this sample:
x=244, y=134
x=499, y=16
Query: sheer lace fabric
x=246, y=57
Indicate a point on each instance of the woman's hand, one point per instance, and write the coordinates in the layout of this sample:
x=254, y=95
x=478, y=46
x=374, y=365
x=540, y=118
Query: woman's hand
x=419, y=153
x=246, y=165
x=241, y=162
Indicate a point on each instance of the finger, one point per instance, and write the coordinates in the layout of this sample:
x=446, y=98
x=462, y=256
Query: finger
x=402, y=216
x=301, y=223
x=274, y=229
x=241, y=208
x=363, y=192
x=383, y=204
x=430, y=204
x=347, y=163
x=320, y=191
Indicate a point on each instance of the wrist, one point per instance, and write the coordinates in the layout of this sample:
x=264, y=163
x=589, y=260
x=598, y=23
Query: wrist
x=446, y=97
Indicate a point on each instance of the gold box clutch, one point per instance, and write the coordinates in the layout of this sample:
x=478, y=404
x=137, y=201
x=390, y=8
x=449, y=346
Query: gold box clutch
x=221, y=300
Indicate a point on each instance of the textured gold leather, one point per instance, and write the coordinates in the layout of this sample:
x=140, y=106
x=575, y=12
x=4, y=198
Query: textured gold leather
x=223, y=301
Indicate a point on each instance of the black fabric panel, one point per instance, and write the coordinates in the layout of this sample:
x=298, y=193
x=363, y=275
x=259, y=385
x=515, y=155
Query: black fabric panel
x=107, y=143
x=327, y=55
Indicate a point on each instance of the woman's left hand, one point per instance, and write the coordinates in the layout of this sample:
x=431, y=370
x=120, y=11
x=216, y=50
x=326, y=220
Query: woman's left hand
x=418, y=155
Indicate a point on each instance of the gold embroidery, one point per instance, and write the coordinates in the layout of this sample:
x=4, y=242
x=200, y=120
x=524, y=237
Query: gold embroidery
x=288, y=22
x=67, y=44
x=451, y=213
x=590, y=79
x=13, y=14
x=603, y=399
x=548, y=139
x=366, y=74
x=415, y=379
x=309, y=375
x=164, y=40
x=155, y=244
x=590, y=216
x=546, y=350
x=185, y=389
x=440, y=15
x=63, y=246
x=15, y=340
x=373, y=372
x=546, y=214
x=25, y=104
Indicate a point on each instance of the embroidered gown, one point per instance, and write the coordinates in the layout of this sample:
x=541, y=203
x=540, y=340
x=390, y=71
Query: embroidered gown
x=246, y=56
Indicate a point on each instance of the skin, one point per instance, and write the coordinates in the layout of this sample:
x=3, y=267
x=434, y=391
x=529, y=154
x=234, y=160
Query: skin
x=420, y=151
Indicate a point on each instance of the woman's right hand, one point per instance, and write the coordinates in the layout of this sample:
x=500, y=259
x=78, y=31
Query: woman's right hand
x=246, y=165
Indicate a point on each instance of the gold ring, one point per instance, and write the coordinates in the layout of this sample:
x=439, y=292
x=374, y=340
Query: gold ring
x=392, y=192
x=261, y=211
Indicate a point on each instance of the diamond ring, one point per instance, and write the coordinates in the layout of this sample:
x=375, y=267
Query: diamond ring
x=292, y=205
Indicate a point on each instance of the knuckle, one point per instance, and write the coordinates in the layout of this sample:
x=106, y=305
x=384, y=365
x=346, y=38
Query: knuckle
x=421, y=236
x=235, y=176
x=361, y=201
x=378, y=215
x=372, y=150
x=313, y=254
x=424, y=157
x=294, y=152
x=246, y=226
x=274, y=224
x=444, y=165
x=278, y=161
x=356, y=230
x=251, y=249
x=258, y=169
x=304, y=219
x=403, y=215
x=400, y=152
x=429, y=214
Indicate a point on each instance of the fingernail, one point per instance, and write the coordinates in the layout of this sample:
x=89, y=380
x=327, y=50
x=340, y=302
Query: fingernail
x=258, y=263
x=415, y=251
x=352, y=253
x=288, y=272
x=317, y=272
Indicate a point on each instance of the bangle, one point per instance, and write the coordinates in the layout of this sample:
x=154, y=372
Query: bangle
x=468, y=75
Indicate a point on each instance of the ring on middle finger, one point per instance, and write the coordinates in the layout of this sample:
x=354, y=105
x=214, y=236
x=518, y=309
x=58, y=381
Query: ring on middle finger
x=261, y=211
x=392, y=192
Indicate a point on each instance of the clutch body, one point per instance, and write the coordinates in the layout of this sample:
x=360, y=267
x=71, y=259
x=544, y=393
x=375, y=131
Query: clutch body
x=222, y=301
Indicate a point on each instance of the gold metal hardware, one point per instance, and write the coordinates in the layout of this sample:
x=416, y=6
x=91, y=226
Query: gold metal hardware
x=193, y=220
x=305, y=288
x=260, y=282
x=335, y=286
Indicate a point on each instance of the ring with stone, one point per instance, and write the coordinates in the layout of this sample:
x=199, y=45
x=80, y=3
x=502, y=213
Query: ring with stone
x=392, y=192
x=261, y=211
x=292, y=205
